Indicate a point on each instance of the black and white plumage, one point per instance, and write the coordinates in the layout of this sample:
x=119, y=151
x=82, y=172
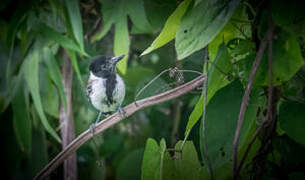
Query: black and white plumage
x=105, y=89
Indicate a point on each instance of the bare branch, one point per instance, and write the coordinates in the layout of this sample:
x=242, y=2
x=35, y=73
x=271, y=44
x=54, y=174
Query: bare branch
x=115, y=118
x=244, y=103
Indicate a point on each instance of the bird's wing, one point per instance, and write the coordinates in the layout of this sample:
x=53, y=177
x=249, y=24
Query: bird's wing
x=89, y=89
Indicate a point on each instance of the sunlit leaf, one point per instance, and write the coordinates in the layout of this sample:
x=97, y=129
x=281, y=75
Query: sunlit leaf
x=75, y=21
x=21, y=120
x=218, y=73
x=30, y=70
x=291, y=119
x=170, y=28
x=121, y=42
x=200, y=26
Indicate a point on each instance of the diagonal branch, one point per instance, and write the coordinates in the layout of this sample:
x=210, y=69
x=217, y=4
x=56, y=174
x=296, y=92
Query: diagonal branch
x=115, y=118
x=244, y=103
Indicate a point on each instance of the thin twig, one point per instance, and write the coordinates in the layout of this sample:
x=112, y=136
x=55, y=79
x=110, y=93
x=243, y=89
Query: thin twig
x=269, y=109
x=114, y=119
x=244, y=103
x=205, y=150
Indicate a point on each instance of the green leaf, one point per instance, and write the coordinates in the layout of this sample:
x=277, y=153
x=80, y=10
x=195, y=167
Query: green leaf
x=187, y=163
x=151, y=161
x=21, y=120
x=200, y=26
x=291, y=119
x=54, y=73
x=216, y=80
x=52, y=35
x=239, y=20
x=170, y=28
x=287, y=60
x=138, y=16
x=75, y=21
x=221, y=122
x=121, y=42
x=73, y=58
x=30, y=70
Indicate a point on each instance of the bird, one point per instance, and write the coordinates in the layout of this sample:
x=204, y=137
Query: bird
x=105, y=89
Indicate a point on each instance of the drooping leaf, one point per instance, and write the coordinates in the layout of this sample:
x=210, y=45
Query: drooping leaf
x=200, y=26
x=30, y=69
x=136, y=12
x=292, y=120
x=73, y=59
x=221, y=121
x=21, y=120
x=54, y=73
x=75, y=21
x=217, y=79
x=52, y=35
x=121, y=42
x=170, y=28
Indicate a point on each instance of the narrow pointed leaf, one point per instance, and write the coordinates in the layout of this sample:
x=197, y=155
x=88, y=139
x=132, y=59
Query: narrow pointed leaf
x=21, y=121
x=75, y=20
x=75, y=66
x=121, y=42
x=170, y=28
x=30, y=70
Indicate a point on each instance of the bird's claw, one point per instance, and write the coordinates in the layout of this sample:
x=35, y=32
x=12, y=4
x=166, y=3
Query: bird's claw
x=121, y=112
x=92, y=128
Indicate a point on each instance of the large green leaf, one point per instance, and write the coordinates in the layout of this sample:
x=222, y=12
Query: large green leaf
x=199, y=26
x=221, y=122
x=187, y=163
x=292, y=120
x=121, y=42
x=30, y=69
x=75, y=21
x=151, y=161
x=170, y=28
x=216, y=80
x=287, y=60
x=21, y=121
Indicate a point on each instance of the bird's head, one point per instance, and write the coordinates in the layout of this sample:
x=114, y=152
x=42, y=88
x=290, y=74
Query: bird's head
x=104, y=66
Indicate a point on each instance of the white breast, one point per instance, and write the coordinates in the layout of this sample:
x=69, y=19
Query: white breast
x=98, y=95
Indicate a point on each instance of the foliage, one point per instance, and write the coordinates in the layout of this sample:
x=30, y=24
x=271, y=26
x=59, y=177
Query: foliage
x=35, y=36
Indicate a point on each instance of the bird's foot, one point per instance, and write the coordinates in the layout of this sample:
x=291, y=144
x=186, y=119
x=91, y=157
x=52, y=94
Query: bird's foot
x=92, y=126
x=121, y=112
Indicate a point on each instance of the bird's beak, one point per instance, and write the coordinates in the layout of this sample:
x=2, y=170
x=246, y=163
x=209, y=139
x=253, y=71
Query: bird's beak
x=117, y=58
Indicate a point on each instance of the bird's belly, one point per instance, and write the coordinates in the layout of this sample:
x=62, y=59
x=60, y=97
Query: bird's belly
x=99, y=98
